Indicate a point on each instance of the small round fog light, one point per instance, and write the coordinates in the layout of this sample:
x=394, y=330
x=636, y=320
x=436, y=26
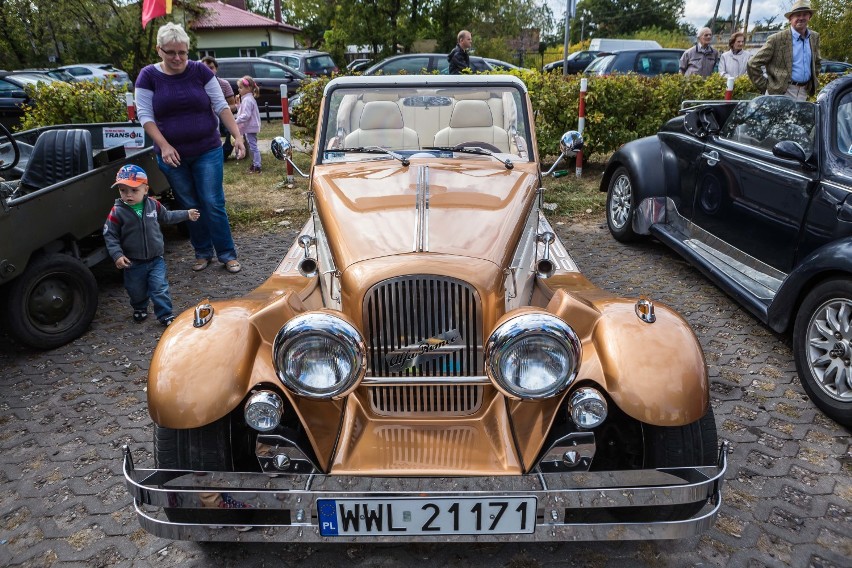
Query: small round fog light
x=263, y=411
x=588, y=408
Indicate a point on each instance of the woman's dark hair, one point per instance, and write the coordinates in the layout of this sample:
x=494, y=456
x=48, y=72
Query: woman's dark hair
x=734, y=37
x=210, y=59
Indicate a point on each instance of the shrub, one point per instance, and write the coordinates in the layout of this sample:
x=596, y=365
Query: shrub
x=619, y=108
x=73, y=103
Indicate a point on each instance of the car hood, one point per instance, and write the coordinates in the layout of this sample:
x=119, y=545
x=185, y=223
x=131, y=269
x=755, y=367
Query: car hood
x=476, y=208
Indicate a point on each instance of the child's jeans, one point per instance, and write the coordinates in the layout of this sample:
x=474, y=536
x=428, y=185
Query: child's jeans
x=147, y=278
x=251, y=139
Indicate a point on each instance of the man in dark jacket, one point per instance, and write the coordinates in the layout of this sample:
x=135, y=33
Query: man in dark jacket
x=458, y=57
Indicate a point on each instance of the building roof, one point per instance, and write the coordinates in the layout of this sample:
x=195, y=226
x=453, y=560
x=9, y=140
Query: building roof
x=224, y=16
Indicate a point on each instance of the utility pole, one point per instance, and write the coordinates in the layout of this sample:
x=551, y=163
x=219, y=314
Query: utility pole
x=745, y=25
x=568, y=11
x=582, y=25
x=733, y=16
x=740, y=11
x=713, y=21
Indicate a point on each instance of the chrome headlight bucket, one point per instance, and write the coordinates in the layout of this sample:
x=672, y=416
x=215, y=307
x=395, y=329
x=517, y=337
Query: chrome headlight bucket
x=533, y=356
x=263, y=411
x=319, y=355
x=587, y=408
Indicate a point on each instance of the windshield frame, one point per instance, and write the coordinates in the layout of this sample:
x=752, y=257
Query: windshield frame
x=414, y=87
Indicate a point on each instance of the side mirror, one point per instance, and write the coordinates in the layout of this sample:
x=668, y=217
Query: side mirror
x=569, y=144
x=789, y=150
x=282, y=149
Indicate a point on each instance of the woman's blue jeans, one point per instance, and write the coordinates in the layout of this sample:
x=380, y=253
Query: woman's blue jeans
x=145, y=279
x=197, y=184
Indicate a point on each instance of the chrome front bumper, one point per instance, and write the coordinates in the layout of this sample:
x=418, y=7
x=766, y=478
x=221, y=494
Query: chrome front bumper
x=282, y=508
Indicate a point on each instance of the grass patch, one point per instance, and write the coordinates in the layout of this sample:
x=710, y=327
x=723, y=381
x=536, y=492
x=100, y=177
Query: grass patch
x=264, y=201
x=575, y=197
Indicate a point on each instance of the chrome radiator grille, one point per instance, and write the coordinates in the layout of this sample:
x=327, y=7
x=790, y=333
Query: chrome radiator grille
x=423, y=326
x=426, y=400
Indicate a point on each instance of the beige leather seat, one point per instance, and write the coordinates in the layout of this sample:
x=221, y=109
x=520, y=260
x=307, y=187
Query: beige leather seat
x=472, y=121
x=381, y=125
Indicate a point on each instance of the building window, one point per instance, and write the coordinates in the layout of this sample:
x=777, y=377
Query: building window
x=202, y=53
x=248, y=52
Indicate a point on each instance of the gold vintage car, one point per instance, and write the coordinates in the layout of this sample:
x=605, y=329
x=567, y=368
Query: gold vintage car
x=426, y=362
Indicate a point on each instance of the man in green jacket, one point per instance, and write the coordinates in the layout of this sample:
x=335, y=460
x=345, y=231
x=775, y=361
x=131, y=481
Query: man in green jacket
x=788, y=62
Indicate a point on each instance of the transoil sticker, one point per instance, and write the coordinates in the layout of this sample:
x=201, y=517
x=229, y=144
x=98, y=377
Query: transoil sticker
x=127, y=136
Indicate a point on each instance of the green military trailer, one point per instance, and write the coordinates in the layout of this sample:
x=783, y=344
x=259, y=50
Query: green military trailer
x=54, y=197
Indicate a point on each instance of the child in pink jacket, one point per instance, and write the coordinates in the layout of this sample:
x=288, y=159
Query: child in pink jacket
x=248, y=119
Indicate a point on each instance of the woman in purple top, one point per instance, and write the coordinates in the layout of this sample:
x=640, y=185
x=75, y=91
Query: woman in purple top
x=176, y=100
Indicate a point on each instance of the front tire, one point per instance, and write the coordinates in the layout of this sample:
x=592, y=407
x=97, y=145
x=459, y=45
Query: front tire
x=207, y=448
x=620, y=206
x=822, y=348
x=52, y=303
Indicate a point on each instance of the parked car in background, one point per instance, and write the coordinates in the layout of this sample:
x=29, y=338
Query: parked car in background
x=417, y=63
x=826, y=66
x=577, y=62
x=427, y=363
x=269, y=76
x=758, y=196
x=311, y=63
x=13, y=96
x=498, y=65
x=648, y=62
x=359, y=64
x=59, y=74
x=92, y=71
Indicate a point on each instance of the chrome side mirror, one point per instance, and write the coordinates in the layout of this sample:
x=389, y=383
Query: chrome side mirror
x=282, y=149
x=569, y=144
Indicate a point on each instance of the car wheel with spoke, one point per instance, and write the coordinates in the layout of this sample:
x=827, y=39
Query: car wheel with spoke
x=620, y=206
x=822, y=347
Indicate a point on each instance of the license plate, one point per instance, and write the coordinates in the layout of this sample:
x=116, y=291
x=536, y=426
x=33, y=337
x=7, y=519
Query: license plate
x=425, y=516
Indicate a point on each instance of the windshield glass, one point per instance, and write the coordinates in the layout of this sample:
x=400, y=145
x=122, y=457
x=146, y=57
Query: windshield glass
x=410, y=119
x=599, y=64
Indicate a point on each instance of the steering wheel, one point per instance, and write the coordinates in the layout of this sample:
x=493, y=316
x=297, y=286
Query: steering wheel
x=10, y=145
x=484, y=145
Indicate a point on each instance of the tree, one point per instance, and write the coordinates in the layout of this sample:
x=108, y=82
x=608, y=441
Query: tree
x=833, y=20
x=620, y=18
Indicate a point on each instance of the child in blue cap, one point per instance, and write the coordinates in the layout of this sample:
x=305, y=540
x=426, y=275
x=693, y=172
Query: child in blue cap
x=135, y=243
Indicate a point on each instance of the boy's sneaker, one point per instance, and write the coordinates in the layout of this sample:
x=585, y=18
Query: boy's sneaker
x=139, y=316
x=167, y=321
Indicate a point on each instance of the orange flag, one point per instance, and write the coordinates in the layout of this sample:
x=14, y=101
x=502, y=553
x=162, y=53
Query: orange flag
x=154, y=9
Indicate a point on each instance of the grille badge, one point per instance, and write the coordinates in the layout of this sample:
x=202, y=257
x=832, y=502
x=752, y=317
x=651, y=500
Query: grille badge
x=426, y=350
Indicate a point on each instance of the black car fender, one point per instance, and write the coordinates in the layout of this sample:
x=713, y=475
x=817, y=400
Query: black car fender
x=651, y=164
x=829, y=261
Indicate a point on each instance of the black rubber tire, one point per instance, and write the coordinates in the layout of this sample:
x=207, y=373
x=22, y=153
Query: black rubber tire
x=836, y=291
x=52, y=303
x=692, y=445
x=620, y=183
x=207, y=448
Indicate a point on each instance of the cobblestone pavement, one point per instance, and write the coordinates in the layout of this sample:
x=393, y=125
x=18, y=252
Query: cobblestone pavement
x=66, y=413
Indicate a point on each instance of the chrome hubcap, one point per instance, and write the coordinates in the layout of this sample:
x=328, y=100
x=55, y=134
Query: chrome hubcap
x=620, y=202
x=829, y=350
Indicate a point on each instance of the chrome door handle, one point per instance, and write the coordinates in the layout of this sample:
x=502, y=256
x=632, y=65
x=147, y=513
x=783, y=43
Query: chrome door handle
x=712, y=157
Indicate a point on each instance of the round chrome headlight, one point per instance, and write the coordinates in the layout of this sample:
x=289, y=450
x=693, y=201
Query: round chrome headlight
x=533, y=356
x=588, y=408
x=263, y=411
x=319, y=355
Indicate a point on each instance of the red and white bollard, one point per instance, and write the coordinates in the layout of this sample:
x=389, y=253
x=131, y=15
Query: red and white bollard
x=285, y=120
x=131, y=106
x=581, y=122
x=729, y=92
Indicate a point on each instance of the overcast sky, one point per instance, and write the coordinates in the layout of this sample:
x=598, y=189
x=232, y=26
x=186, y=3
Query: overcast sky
x=698, y=12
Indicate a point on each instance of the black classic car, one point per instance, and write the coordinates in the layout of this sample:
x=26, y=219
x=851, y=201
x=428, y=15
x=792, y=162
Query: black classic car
x=758, y=196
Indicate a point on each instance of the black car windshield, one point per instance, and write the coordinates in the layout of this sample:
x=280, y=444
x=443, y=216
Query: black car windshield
x=764, y=121
x=425, y=120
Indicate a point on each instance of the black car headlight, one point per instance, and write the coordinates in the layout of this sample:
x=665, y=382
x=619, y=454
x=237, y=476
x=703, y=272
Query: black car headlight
x=319, y=355
x=533, y=356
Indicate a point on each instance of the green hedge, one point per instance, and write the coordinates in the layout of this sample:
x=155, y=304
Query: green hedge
x=73, y=103
x=619, y=108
